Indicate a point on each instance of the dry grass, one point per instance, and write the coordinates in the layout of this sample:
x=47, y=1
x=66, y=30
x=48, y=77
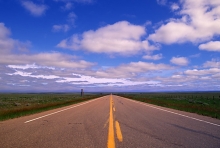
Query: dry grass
x=207, y=104
x=16, y=105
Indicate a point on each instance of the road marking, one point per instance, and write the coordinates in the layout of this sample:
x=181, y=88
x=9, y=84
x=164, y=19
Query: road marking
x=61, y=110
x=111, y=139
x=106, y=123
x=173, y=112
x=118, y=131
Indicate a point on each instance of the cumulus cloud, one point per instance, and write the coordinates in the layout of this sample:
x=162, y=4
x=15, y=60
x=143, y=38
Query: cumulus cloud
x=182, y=61
x=8, y=44
x=28, y=74
x=121, y=37
x=153, y=57
x=78, y=79
x=199, y=22
x=83, y=79
x=5, y=32
x=210, y=46
x=115, y=76
x=10, y=54
x=66, y=27
x=215, y=63
x=174, y=6
x=45, y=59
x=131, y=70
x=197, y=72
x=34, y=9
x=29, y=66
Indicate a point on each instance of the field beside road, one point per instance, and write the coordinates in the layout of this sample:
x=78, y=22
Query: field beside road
x=203, y=103
x=16, y=105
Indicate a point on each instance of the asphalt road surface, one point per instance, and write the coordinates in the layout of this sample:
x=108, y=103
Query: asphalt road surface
x=111, y=121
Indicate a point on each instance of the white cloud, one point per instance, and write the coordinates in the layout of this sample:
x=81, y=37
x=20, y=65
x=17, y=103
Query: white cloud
x=26, y=74
x=216, y=76
x=173, y=32
x=71, y=18
x=34, y=9
x=66, y=27
x=28, y=66
x=182, y=61
x=199, y=22
x=197, y=72
x=67, y=6
x=8, y=44
x=161, y=2
x=174, y=6
x=63, y=28
x=214, y=63
x=79, y=1
x=45, y=59
x=54, y=59
x=177, y=76
x=5, y=32
x=83, y=79
x=132, y=69
x=195, y=55
x=121, y=37
x=153, y=57
x=84, y=1
x=210, y=46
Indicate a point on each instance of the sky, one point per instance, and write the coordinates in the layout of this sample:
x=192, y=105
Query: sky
x=109, y=45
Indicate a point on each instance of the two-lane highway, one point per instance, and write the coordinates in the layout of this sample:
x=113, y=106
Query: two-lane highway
x=111, y=121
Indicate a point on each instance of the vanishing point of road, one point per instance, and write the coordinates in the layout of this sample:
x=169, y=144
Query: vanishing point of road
x=111, y=122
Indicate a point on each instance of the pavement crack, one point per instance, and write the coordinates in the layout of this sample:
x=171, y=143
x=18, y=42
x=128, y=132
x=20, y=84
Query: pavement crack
x=143, y=132
x=106, y=123
x=76, y=123
x=195, y=131
x=152, y=135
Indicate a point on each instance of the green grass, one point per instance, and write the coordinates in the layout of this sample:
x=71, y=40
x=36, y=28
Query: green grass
x=17, y=105
x=207, y=104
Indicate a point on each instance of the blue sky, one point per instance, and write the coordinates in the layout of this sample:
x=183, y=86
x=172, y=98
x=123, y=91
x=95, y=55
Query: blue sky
x=109, y=45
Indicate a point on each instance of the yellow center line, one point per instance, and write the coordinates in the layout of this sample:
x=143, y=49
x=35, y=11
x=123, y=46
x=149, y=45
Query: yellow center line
x=118, y=131
x=111, y=139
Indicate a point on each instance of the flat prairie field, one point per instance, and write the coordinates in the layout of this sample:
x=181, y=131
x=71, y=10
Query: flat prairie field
x=16, y=105
x=203, y=103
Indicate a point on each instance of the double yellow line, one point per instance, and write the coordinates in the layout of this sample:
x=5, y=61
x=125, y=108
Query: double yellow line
x=111, y=137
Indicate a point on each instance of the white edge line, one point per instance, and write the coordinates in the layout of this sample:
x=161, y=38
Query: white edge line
x=61, y=110
x=173, y=112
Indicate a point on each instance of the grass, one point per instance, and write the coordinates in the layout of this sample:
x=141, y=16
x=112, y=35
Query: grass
x=17, y=105
x=203, y=103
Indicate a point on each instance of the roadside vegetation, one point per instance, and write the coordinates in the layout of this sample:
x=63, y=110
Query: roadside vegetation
x=203, y=103
x=17, y=105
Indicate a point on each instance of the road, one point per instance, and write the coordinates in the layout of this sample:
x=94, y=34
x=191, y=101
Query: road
x=111, y=121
